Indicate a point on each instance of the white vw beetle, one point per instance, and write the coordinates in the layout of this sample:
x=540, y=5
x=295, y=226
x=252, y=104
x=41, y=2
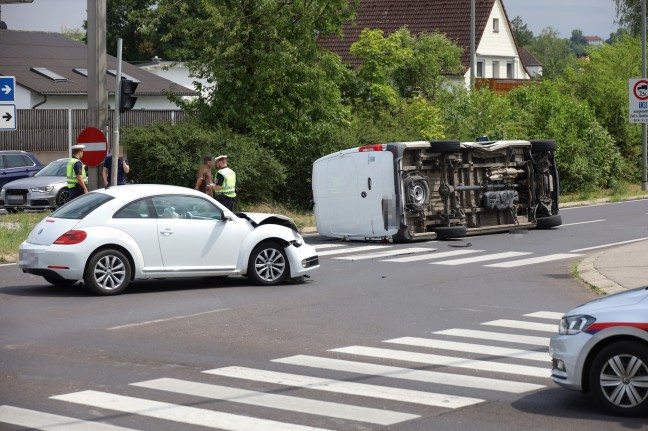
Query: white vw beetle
x=112, y=236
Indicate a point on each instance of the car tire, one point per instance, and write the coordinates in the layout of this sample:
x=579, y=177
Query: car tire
x=447, y=232
x=618, y=376
x=62, y=196
x=268, y=264
x=549, y=221
x=538, y=146
x=60, y=282
x=418, y=192
x=445, y=146
x=108, y=272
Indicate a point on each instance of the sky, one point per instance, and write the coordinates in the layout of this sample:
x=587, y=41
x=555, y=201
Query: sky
x=592, y=17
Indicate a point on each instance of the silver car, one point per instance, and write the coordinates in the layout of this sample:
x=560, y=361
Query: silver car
x=47, y=189
x=602, y=348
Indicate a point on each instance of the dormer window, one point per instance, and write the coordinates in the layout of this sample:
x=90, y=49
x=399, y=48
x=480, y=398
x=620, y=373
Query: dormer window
x=44, y=71
x=495, y=25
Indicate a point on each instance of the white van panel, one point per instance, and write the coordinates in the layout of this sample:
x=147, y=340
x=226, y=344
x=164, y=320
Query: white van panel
x=349, y=189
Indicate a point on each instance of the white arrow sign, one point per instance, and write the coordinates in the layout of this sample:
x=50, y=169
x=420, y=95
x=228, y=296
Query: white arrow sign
x=8, y=117
x=6, y=89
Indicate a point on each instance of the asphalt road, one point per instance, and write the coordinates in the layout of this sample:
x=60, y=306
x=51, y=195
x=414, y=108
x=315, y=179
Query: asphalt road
x=371, y=342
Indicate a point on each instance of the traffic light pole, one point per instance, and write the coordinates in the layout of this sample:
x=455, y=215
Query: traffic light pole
x=115, y=149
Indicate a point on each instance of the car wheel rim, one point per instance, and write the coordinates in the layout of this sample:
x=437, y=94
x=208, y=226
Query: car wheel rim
x=418, y=194
x=64, y=198
x=624, y=381
x=110, y=272
x=270, y=264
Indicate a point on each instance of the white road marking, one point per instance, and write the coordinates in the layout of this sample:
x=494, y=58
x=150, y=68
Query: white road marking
x=395, y=252
x=472, y=348
x=282, y=402
x=352, y=249
x=350, y=388
x=324, y=246
x=49, y=422
x=131, y=325
x=582, y=222
x=482, y=258
x=367, y=368
x=176, y=413
x=546, y=315
x=448, y=361
x=533, y=260
x=521, y=324
x=608, y=245
x=432, y=256
x=496, y=336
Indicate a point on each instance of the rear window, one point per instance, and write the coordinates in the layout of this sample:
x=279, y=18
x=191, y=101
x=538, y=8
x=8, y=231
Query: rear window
x=81, y=206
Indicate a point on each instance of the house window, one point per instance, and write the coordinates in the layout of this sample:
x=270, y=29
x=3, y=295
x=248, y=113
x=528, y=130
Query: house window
x=44, y=71
x=480, y=69
x=496, y=69
x=509, y=70
x=495, y=25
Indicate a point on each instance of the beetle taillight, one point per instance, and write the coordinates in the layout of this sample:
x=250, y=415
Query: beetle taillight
x=71, y=237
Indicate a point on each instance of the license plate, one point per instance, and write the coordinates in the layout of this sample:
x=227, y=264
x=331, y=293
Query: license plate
x=28, y=259
x=15, y=199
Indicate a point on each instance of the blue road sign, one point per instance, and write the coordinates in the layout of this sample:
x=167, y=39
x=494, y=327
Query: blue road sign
x=7, y=89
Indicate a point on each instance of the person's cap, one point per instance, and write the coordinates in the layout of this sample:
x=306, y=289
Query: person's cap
x=78, y=147
x=219, y=158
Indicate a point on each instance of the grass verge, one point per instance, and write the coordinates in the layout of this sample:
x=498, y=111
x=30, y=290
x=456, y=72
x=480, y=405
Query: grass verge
x=14, y=229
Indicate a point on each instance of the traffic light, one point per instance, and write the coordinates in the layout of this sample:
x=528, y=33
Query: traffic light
x=126, y=95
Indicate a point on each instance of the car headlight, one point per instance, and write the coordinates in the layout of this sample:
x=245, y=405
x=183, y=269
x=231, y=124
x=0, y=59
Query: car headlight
x=298, y=241
x=43, y=189
x=571, y=325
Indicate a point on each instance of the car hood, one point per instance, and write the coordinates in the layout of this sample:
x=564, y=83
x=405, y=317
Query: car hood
x=26, y=183
x=623, y=299
x=258, y=219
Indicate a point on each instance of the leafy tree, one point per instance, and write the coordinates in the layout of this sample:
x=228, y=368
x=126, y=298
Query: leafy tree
x=552, y=51
x=521, y=32
x=175, y=152
x=577, y=42
x=602, y=82
x=76, y=34
x=121, y=22
x=628, y=14
x=617, y=35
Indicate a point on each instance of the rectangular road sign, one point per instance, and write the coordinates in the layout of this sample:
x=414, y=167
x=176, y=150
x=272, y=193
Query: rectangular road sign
x=638, y=100
x=8, y=117
x=7, y=89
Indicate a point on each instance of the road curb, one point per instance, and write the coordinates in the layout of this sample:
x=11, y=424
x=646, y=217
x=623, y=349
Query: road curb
x=590, y=275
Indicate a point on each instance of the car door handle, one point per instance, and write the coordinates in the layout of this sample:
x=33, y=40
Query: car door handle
x=166, y=232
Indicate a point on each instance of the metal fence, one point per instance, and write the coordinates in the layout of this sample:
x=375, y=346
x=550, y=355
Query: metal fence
x=47, y=130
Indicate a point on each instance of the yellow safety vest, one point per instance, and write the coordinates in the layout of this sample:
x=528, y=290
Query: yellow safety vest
x=71, y=176
x=228, y=188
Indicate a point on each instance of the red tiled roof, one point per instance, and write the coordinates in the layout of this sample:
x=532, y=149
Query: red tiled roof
x=450, y=17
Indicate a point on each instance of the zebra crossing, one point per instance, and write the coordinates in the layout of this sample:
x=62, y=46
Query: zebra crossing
x=394, y=254
x=471, y=366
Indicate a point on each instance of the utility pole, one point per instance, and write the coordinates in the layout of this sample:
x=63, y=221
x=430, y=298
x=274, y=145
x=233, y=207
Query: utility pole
x=644, y=175
x=472, y=45
x=97, y=93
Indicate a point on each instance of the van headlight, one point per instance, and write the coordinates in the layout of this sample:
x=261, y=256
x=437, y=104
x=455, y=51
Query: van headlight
x=571, y=325
x=298, y=241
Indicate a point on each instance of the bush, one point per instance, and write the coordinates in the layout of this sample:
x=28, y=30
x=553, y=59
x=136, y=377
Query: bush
x=171, y=154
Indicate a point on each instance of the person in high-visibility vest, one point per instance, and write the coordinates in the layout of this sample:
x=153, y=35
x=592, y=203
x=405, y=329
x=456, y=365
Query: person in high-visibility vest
x=225, y=186
x=76, y=173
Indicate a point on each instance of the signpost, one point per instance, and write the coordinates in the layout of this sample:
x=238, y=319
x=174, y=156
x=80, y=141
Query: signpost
x=638, y=100
x=96, y=146
x=7, y=105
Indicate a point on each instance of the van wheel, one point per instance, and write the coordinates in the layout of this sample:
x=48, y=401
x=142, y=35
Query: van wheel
x=445, y=146
x=418, y=192
x=538, y=146
x=549, y=221
x=447, y=232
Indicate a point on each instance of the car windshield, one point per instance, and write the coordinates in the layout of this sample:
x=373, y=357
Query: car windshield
x=81, y=206
x=56, y=169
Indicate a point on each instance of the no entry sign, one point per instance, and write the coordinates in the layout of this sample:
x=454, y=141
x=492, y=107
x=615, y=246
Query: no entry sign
x=96, y=146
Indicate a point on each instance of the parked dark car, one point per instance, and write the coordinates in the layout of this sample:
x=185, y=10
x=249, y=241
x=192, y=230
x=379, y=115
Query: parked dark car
x=15, y=165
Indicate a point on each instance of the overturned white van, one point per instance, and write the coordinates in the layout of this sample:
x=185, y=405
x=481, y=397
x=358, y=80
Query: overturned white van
x=406, y=191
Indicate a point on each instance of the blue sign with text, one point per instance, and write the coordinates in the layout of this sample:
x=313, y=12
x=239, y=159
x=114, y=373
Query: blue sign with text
x=7, y=88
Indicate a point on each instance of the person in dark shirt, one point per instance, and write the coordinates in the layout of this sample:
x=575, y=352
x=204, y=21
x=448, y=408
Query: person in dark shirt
x=122, y=169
